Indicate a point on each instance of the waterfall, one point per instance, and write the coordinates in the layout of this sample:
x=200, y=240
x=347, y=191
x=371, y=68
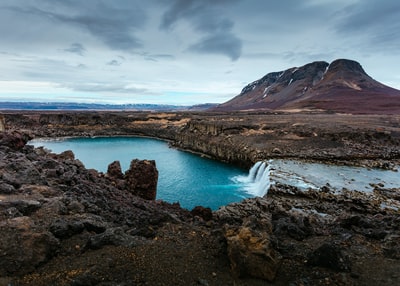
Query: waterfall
x=257, y=182
x=253, y=171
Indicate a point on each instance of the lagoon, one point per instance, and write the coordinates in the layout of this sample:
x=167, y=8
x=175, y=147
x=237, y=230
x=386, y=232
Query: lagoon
x=184, y=177
x=193, y=180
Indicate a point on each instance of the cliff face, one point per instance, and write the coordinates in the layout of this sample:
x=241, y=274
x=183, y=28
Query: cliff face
x=240, y=138
x=341, y=86
x=244, y=140
x=214, y=139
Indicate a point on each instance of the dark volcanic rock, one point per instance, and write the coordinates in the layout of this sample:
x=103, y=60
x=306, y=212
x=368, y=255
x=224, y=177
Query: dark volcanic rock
x=112, y=236
x=23, y=246
x=62, y=224
x=6, y=188
x=329, y=255
x=204, y=213
x=14, y=140
x=251, y=254
x=64, y=229
x=50, y=204
x=248, y=232
x=141, y=179
x=114, y=170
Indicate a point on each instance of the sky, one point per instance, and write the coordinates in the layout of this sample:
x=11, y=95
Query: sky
x=183, y=51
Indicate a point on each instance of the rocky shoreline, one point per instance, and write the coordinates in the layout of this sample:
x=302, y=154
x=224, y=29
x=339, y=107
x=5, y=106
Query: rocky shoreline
x=237, y=138
x=62, y=224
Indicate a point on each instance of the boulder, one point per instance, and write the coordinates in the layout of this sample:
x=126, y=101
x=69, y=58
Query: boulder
x=251, y=254
x=63, y=229
x=23, y=246
x=24, y=206
x=14, y=140
x=329, y=255
x=112, y=236
x=6, y=188
x=248, y=232
x=114, y=170
x=204, y=213
x=141, y=179
x=67, y=155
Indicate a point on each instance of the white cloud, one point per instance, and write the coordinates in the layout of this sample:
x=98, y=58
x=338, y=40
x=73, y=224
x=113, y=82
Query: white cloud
x=182, y=51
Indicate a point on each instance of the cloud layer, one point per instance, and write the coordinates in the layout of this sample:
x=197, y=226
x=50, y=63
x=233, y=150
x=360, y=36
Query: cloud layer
x=206, y=17
x=187, y=51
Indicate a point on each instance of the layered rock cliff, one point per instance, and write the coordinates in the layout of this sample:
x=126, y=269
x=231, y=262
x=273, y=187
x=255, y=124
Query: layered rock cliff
x=240, y=138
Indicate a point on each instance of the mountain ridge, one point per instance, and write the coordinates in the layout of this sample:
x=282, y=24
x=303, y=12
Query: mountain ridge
x=339, y=86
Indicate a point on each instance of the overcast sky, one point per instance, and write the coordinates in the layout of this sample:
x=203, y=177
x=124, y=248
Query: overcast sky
x=183, y=51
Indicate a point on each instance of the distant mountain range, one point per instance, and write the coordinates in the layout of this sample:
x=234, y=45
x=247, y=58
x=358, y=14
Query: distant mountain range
x=94, y=106
x=341, y=86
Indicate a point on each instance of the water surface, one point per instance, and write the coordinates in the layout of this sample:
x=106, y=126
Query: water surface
x=315, y=175
x=184, y=177
x=192, y=180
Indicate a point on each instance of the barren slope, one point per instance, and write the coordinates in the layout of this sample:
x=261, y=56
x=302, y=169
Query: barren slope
x=342, y=86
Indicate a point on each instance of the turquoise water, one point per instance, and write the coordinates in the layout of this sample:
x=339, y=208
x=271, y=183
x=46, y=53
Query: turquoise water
x=186, y=178
x=192, y=180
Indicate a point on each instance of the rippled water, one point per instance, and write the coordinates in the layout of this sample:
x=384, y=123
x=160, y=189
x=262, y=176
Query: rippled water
x=186, y=178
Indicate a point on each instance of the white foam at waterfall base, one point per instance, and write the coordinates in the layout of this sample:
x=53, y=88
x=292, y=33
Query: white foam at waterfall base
x=258, y=181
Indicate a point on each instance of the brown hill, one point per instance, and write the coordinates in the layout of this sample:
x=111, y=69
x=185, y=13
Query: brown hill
x=342, y=86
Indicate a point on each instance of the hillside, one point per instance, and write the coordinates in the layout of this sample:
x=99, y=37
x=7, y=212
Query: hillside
x=341, y=86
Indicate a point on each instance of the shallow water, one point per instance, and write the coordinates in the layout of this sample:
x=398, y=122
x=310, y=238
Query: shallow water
x=315, y=175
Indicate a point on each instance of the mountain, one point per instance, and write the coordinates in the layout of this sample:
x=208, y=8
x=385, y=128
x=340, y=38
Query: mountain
x=341, y=86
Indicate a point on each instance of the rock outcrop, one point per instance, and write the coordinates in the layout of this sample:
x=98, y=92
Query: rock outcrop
x=141, y=179
x=248, y=231
x=14, y=140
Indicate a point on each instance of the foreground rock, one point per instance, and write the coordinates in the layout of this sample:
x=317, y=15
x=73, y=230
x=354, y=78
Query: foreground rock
x=47, y=200
x=62, y=224
x=315, y=237
x=248, y=232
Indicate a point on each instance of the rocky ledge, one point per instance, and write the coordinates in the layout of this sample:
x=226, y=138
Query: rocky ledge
x=237, y=138
x=62, y=224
